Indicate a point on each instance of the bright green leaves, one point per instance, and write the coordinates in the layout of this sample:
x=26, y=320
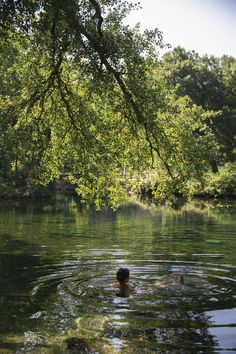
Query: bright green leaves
x=210, y=83
x=85, y=99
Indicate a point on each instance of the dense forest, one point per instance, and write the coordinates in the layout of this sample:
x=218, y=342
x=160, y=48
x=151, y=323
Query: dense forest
x=88, y=100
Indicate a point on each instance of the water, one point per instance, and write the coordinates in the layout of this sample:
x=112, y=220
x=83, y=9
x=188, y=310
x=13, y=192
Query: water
x=58, y=261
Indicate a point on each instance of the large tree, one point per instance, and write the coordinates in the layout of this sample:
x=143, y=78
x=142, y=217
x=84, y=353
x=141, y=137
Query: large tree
x=87, y=104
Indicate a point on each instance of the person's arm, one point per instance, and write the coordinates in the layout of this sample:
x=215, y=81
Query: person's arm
x=116, y=284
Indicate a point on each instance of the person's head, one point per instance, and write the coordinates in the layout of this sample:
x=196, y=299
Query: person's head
x=122, y=275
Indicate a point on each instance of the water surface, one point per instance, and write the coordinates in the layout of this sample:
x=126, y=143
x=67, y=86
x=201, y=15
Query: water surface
x=58, y=261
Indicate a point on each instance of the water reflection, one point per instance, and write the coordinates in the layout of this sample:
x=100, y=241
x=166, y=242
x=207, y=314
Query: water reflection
x=58, y=262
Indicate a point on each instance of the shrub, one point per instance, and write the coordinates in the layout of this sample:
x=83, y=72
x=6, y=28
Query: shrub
x=222, y=184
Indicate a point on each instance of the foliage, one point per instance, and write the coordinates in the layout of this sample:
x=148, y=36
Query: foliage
x=210, y=83
x=78, y=100
x=223, y=183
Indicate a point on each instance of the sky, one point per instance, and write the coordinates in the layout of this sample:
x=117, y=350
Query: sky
x=206, y=26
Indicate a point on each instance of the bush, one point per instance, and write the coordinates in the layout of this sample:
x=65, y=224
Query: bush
x=222, y=184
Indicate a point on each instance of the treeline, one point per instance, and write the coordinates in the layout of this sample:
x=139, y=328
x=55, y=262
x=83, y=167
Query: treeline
x=210, y=83
x=87, y=99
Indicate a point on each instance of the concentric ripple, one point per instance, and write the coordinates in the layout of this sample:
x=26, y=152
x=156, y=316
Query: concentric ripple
x=58, y=269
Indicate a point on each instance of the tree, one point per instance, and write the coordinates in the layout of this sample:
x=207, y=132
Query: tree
x=210, y=83
x=88, y=104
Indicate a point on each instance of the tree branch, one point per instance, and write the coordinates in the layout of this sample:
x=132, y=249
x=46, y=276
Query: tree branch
x=98, y=16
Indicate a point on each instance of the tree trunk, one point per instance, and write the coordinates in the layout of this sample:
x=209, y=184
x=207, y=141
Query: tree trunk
x=214, y=167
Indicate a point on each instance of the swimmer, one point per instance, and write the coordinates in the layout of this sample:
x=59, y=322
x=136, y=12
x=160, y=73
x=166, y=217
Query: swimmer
x=122, y=282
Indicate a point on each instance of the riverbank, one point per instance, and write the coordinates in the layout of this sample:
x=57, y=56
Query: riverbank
x=221, y=185
x=23, y=192
x=216, y=186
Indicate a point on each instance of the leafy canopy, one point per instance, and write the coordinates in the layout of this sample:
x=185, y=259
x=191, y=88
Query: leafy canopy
x=79, y=100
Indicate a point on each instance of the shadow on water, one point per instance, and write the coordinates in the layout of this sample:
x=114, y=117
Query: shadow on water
x=20, y=268
x=58, y=262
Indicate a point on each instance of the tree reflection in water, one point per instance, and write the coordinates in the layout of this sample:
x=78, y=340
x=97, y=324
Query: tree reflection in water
x=58, y=260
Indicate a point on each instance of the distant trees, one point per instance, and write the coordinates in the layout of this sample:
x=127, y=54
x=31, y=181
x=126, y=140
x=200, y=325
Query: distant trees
x=210, y=83
x=83, y=97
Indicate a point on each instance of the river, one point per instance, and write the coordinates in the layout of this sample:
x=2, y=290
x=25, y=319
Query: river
x=58, y=262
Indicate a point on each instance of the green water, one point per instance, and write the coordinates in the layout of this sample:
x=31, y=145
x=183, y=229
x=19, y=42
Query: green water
x=58, y=261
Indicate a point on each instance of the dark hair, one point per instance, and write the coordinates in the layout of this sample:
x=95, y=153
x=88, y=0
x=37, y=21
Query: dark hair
x=122, y=274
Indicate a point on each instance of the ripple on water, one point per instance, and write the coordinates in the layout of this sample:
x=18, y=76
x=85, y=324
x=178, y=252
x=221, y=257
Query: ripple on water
x=85, y=305
x=223, y=327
